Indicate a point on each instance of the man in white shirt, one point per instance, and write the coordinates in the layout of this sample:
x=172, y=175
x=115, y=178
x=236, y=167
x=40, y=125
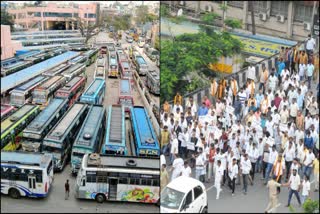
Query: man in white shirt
x=307, y=162
x=251, y=72
x=253, y=156
x=223, y=158
x=310, y=45
x=294, y=183
x=272, y=157
x=218, y=177
x=200, y=165
x=176, y=167
x=174, y=147
x=302, y=69
x=186, y=170
x=294, y=109
x=233, y=172
x=310, y=70
x=289, y=154
x=245, y=167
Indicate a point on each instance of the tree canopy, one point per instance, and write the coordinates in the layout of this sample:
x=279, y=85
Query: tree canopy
x=189, y=55
x=6, y=18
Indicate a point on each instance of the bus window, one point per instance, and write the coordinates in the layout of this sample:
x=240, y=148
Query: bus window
x=49, y=168
x=102, y=179
x=39, y=178
x=135, y=181
x=155, y=182
x=91, y=178
x=123, y=181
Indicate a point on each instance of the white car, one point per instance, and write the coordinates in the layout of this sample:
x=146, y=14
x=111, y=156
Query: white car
x=184, y=195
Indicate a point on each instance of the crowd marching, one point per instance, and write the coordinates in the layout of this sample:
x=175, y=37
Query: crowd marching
x=243, y=130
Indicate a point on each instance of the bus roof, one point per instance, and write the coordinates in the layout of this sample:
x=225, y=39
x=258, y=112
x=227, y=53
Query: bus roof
x=90, y=52
x=24, y=75
x=87, y=134
x=57, y=69
x=94, y=87
x=25, y=158
x=121, y=162
x=144, y=128
x=125, y=87
x=69, y=86
x=65, y=123
x=16, y=116
x=47, y=84
x=45, y=116
x=30, y=83
x=115, y=125
x=72, y=68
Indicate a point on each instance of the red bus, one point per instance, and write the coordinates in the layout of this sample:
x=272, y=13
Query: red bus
x=125, y=70
x=72, y=90
x=125, y=94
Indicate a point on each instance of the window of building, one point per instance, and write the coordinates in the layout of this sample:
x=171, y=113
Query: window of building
x=238, y=4
x=76, y=15
x=279, y=8
x=302, y=12
x=37, y=14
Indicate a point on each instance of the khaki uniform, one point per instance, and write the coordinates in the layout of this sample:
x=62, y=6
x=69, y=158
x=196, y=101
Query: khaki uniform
x=273, y=195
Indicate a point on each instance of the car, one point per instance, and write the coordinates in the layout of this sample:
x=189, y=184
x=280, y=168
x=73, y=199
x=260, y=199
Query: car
x=184, y=195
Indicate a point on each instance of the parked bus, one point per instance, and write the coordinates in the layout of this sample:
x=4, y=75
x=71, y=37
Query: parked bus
x=125, y=94
x=74, y=70
x=11, y=128
x=12, y=68
x=90, y=137
x=113, y=65
x=153, y=82
x=146, y=141
x=60, y=138
x=115, y=142
x=34, y=133
x=118, y=178
x=6, y=111
x=26, y=174
x=95, y=92
x=101, y=62
x=140, y=63
x=100, y=73
x=110, y=47
x=92, y=55
x=23, y=94
x=56, y=70
x=125, y=70
x=43, y=93
x=72, y=90
x=79, y=59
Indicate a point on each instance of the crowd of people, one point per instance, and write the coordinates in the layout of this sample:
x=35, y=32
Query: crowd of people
x=243, y=130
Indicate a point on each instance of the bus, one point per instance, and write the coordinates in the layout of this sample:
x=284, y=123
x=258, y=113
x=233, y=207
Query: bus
x=95, y=92
x=91, y=55
x=115, y=142
x=26, y=174
x=153, y=82
x=74, y=70
x=56, y=70
x=110, y=47
x=79, y=59
x=125, y=94
x=146, y=142
x=113, y=65
x=23, y=94
x=101, y=61
x=118, y=178
x=34, y=133
x=11, y=128
x=125, y=70
x=90, y=137
x=100, y=73
x=12, y=68
x=6, y=111
x=72, y=90
x=60, y=138
x=140, y=63
x=42, y=94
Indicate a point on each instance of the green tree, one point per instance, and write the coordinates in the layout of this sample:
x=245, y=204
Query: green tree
x=233, y=23
x=121, y=22
x=157, y=43
x=6, y=18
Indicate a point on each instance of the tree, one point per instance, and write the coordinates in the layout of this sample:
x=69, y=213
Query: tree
x=86, y=29
x=121, y=22
x=233, y=23
x=157, y=43
x=6, y=18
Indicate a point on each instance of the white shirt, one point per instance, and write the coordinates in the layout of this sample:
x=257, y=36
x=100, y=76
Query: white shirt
x=302, y=68
x=233, y=172
x=305, y=188
x=253, y=155
x=162, y=160
x=309, y=158
x=218, y=173
x=310, y=44
x=175, y=146
x=245, y=166
x=294, y=109
x=289, y=154
x=177, y=166
x=272, y=156
x=294, y=181
x=186, y=171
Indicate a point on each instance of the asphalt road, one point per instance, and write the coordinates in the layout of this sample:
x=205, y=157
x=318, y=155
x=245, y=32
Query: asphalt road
x=55, y=201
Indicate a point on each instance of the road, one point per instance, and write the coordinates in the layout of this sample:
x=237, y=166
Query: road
x=55, y=201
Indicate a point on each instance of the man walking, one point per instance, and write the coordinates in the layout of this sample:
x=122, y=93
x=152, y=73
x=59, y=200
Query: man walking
x=233, y=172
x=294, y=183
x=273, y=194
x=67, y=189
x=245, y=167
x=218, y=177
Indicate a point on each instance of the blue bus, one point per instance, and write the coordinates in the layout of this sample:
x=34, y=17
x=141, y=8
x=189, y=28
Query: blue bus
x=95, y=92
x=90, y=136
x=60, y=138
x=34, y=133
x=146, y=142
x=115, y=142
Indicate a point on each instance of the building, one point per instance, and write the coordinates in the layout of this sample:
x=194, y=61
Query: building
x=8, y=47
x=154, y=32
x=54, y=16
x=285, y=19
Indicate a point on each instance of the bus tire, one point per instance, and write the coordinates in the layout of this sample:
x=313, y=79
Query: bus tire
x=14, y=193
x=100, y=198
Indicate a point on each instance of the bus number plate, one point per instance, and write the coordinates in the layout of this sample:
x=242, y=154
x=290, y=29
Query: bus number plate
x=148, y=152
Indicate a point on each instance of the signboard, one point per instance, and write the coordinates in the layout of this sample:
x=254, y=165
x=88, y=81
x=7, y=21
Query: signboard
x=316, y=25
x=148, y=152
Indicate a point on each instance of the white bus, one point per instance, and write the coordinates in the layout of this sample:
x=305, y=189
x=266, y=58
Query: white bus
x=26, y=174
x=118, y=178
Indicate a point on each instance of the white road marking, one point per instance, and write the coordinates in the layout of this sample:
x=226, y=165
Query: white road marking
x=210, y=188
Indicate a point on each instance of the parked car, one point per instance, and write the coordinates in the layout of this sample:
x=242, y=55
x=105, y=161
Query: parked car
x=184, y=195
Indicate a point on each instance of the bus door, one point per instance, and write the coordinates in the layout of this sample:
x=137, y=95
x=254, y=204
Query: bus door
x=113, y=184
x=32, y=183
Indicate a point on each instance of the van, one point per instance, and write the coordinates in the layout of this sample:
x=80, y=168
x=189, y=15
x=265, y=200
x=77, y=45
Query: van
x=184, y=195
